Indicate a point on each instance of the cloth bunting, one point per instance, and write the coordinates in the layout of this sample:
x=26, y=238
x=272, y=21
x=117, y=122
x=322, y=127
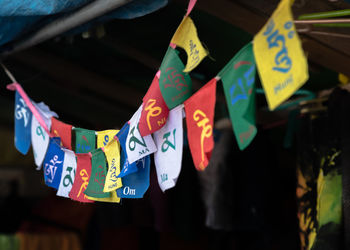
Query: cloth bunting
x=23, y=121
x=62, y=130
x=98, y=175
x=68, y=173
x=105, y=137
x=40, y=138
x=238, y=78
x=112, y=152
x=174, y=84
x=154, y=110
x=186, y=37
x=53, y=163
x=85, y=140
x=279, y=56
x=200, y=120
x=126, y=167
x=169, y=141
x=82, y=178
x=137, y=146
x=135, y=185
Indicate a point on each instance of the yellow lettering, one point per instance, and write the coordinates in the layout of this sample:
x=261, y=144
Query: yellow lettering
x=161, y=122
x=152, y=111
x=85, y=177
x=202, y=121
x=56, y=133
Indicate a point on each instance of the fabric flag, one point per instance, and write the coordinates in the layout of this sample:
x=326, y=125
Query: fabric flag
x=174, y=84
x=137, y=146
x=85, y=140
x=94, y=190
x=112, y=153
x=169, y=141
x=186, y=37
x=82, y=178
x=40, y=138
x=40, y=142
x=23, y=121
x=63, y=130
x=135, y=185
x=113, y=198
x=279, y=56
x=154, y=110
x=45, y=112
x=238, y=78
x=200, y=120
x=98, y=175
x=126, y=168
x=53, y=163
x=68, y=173
x=105, y=137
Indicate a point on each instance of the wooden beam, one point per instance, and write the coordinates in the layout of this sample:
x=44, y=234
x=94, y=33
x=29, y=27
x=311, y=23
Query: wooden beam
x=139, y=56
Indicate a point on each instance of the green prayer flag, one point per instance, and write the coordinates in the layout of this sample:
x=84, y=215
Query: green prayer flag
x=98, y=175
x=85, y=140
x=175, y=85
x=238, y=78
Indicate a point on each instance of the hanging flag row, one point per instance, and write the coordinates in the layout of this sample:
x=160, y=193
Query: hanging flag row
x=113, y=164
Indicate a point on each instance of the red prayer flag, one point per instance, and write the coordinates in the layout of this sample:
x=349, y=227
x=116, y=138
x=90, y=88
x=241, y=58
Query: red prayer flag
x=82, y=177
x=62, y=130
x=199, y=110
x=154, y=110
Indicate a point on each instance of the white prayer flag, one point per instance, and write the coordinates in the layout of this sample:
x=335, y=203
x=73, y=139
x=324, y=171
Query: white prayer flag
x=169, y=141
x=40, y=138
x=68, y=173
x=137, y=146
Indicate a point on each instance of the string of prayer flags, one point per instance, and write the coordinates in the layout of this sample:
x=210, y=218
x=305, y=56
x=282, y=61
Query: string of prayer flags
x=137, y=146
x=106, y=136
x=23, y=121
x=53, y=163
x=154, y=110
x=135, y=185
x=62, y=130
x=238, y=78
x=199, y=110
x=68, y=173
x=279, y=56
x=39, y=137
x=168, y=157
x=175, y=85
x=112, y=153
x=85, y=140
x=186, y=37
x=126, y=168
x=98, y=175
x=82, y=178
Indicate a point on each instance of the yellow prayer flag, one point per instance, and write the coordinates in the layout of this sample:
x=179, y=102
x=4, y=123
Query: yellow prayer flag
x=112, y=152
x=279, y=56
x=113, y=198
x=186, y=37
x=105, y=136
